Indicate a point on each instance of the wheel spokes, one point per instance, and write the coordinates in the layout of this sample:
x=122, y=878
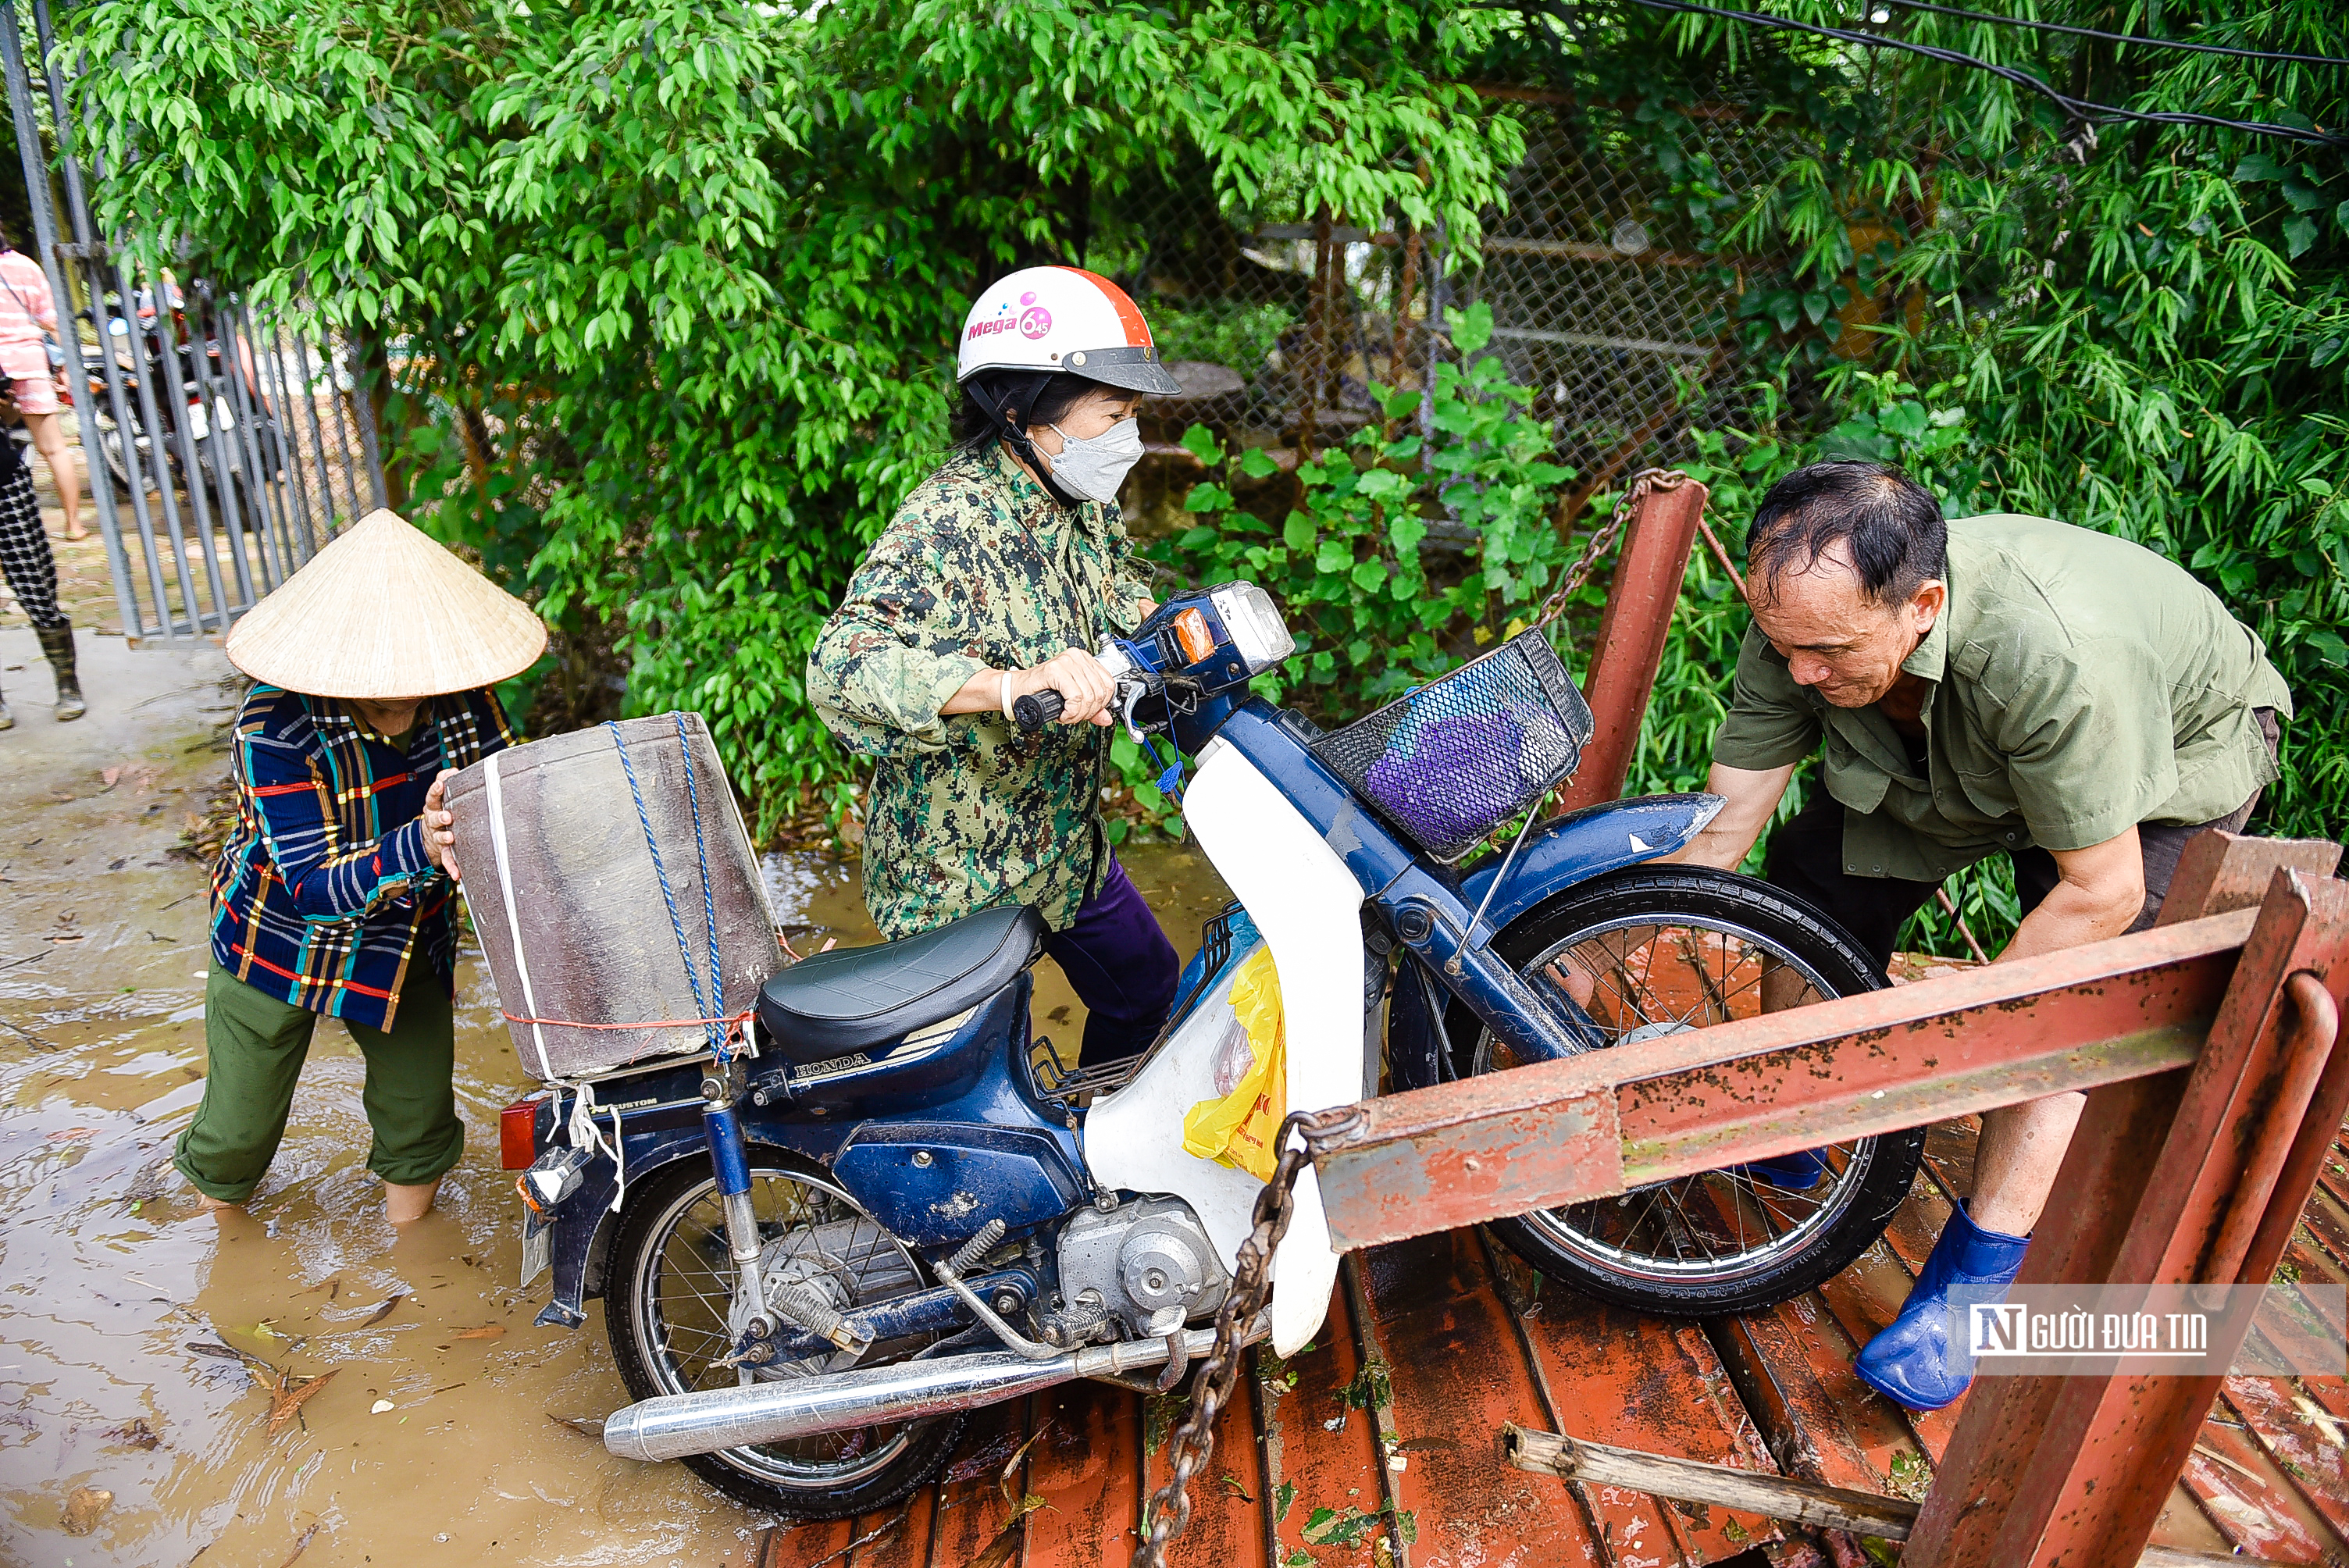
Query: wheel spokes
x=687, y=1297
x=1644, y=977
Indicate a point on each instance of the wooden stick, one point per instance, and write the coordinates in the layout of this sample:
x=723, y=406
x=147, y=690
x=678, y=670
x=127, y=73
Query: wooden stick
x=1750, y=1491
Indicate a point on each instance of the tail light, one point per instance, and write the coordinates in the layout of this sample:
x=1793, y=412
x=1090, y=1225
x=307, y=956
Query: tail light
x=518, y=1133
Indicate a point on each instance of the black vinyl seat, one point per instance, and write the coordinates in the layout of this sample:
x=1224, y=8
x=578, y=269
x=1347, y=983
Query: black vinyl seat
x=857, y=996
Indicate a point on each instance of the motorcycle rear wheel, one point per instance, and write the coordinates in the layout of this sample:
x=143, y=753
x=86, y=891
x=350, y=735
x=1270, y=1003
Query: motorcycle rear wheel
x=667, y=1291
x=1662, y=949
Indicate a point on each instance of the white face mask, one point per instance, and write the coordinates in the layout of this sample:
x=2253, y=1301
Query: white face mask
x=1096, y=466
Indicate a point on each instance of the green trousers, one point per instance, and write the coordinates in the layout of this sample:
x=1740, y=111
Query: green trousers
x=257, y=1044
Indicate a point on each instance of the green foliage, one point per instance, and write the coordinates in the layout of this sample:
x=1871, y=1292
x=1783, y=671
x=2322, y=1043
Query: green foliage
x=1222, y=332
x=2147, y=331
x=1378, y=601
x=1376, y=607
x=667, y=293
x=675, y=284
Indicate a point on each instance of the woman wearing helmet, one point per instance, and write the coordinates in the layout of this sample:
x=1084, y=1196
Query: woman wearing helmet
x=996, y=578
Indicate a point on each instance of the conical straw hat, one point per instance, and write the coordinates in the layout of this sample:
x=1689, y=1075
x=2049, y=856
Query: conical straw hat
x=383, y=612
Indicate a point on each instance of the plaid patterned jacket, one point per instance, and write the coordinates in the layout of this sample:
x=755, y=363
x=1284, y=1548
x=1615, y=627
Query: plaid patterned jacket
x=323, y=894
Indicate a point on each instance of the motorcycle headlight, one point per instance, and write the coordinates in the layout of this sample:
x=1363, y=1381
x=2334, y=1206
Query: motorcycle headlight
x=1254, y=622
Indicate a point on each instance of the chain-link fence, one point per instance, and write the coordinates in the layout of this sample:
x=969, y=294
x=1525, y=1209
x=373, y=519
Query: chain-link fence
x=1605, y=300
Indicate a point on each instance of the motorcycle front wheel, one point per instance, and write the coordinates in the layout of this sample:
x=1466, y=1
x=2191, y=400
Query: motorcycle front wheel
x=667, y=1291
x=1662, y=949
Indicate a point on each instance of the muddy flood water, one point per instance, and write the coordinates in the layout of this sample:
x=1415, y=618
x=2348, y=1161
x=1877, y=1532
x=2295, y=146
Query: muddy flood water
x=137, y=1333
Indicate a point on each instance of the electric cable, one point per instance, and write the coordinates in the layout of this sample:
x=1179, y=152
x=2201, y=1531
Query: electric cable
x=2120, y=37
x=2077, y=108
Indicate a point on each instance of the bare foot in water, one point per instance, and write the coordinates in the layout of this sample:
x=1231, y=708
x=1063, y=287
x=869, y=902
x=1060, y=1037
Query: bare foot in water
x=405, y=1204
x=212, y=1205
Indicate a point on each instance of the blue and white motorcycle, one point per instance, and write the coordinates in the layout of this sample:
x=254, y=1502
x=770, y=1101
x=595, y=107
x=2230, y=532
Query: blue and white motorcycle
x=883, y=1213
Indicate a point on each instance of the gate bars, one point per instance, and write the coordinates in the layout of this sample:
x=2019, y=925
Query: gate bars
x=239, y=445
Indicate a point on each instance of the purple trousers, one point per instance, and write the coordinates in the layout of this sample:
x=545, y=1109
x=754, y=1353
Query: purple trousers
x=1122, y=966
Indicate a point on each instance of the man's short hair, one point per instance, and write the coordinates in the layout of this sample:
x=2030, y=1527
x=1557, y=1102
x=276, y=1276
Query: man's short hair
x=1888, y=523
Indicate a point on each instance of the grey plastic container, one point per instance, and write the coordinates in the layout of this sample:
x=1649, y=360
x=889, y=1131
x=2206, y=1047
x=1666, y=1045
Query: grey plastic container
x=568, y=907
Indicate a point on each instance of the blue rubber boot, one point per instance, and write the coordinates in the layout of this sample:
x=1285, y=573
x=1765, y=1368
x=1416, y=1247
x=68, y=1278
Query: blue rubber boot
x=1910, y=1361
x=1796, y=1172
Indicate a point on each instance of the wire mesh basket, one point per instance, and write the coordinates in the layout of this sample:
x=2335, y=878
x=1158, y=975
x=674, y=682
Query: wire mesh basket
x=1459, y=757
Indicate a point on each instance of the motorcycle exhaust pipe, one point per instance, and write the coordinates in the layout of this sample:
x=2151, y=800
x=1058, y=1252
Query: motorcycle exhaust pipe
x=672, y=1426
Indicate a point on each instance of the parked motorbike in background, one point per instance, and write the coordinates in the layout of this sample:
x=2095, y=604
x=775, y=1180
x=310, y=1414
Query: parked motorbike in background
x=203, y=398
x=880, y=1206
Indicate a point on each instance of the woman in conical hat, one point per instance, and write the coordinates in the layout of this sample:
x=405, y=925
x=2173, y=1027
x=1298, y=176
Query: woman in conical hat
x=333, y=896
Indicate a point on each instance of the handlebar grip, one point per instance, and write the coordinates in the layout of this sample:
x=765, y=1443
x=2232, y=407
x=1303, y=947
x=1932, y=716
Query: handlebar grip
x=1037, y=709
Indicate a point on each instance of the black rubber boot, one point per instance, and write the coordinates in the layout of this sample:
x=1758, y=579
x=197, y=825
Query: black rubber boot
x=56, y=642
x=7, y=719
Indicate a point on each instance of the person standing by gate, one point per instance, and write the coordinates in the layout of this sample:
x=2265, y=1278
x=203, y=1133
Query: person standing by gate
x=1998, y=684
x=32, y=572
x=28, y=327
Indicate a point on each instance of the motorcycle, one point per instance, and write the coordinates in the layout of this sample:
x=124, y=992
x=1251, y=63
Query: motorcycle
x=823, y=1245
x=219, y=412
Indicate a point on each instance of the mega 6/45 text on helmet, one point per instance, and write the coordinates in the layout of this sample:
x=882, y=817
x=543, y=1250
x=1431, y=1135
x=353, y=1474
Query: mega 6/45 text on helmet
x=1061, y=319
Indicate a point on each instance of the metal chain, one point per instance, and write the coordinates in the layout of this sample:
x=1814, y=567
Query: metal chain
x=1601, y=541
x=1302, y=1135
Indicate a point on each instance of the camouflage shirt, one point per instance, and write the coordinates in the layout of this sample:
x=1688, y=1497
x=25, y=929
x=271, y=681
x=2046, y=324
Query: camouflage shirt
x=980, y=569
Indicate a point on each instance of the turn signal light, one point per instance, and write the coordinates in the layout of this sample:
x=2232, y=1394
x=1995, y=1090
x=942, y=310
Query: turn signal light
x=1191, y=631
x=518, y=1134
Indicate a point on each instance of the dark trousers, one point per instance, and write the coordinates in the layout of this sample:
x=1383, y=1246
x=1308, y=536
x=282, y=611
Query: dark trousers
x=25, y=557
x=256, y=1047
x=1122, y=966
x=1806, y=857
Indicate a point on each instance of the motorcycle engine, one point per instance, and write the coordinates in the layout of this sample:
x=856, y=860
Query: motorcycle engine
x=1148, y=1264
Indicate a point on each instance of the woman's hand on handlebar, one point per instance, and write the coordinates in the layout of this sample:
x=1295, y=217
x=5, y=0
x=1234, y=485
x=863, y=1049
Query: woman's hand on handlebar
x=1086, y=691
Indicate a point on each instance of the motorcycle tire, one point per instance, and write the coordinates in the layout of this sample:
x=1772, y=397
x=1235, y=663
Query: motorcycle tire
x=776, y=1479
x=1614, y=1249
x=110, y=442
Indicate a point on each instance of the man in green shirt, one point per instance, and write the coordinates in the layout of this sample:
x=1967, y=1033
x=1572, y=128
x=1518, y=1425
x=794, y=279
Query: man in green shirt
x=2002, y=684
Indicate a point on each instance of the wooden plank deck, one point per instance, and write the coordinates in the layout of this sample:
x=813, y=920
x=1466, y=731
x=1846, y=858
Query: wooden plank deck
x=1378, y=1447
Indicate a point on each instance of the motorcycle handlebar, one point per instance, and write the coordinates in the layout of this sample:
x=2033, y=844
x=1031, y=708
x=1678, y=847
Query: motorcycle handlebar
x=1037, y=709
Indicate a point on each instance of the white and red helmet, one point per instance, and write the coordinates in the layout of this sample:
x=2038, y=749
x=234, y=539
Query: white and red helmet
x=1061, y=319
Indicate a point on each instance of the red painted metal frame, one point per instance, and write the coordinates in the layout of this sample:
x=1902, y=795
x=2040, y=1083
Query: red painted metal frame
x=2215, y=1087
x=2194, y=1176
x=1596, y=1125
x=1630, y=646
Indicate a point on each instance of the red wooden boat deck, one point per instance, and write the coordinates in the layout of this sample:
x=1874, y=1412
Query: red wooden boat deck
x=1379, y=1445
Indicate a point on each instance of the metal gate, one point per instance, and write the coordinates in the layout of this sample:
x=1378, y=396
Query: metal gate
x=221, y=449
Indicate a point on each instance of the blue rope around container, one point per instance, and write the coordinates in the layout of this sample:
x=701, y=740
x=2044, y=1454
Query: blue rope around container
x=701, y=857
x=704, y=1006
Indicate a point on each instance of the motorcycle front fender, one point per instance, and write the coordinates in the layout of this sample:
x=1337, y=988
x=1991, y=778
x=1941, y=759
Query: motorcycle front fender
x=1584, y=844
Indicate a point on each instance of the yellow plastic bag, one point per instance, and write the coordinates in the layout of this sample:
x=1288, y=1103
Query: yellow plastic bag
x=1239, y=1128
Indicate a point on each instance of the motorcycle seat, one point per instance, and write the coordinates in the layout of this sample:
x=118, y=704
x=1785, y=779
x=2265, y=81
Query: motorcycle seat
x=852, y=997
